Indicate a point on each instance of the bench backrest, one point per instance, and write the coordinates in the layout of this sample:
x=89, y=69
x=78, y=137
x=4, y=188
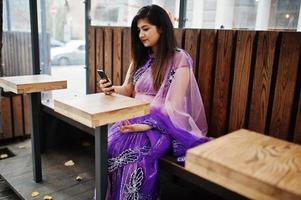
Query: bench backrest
x=248, y=79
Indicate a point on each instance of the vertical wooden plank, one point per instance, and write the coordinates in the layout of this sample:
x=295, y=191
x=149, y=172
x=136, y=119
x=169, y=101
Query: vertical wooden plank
x=242, y=69
x=179, y=37
x=99, y=54
x=117, y=73
x=191, y=41
x=6, y=116
x=285, y=85
x=126, y=51
x=108, y=45
x=262, y=80
x=297, y=132
x=26, y=111
x=18, y=115
x=207, y=54
x=225, y=47
x=91, y=68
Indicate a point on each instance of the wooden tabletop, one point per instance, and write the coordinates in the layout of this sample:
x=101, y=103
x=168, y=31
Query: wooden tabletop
x=251, y=164
x=94, y=110
x=31, y=83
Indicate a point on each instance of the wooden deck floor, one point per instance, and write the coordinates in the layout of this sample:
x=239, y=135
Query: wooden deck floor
x=59, y=181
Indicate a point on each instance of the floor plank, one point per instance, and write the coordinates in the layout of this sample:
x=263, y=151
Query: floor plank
x=59, y=181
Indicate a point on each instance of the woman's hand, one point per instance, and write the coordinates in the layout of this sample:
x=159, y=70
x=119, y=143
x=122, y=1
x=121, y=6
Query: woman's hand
x=106, y=87
x=127, y=127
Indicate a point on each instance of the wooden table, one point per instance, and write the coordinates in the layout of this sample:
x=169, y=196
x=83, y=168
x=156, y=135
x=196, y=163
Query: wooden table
x=251, y=164
x=97, y=111
x=34, y=85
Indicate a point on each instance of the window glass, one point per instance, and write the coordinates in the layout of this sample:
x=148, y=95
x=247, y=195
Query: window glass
x=62, y=46
x=244, y=14
x=16, y=39
x=16, y=15
x=121, y=12
x=284, y=14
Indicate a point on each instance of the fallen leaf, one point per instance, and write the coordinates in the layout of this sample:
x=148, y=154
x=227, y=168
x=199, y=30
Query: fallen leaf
x=3, y=156
x=47, y=197
x=35, y=193
x=69, y=163
x=79, y=178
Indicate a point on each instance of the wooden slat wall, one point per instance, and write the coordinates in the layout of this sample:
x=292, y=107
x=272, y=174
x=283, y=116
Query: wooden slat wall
x=206, y=65
x=297, y=132
x=221, y=90
x=92, y=60
x=6, y=118
x=285, y=85
x=248, y=79
x=265, y=55
x=15, y=116
x=241, y=79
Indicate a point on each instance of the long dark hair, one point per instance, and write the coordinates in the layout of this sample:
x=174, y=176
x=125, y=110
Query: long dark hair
x=166, y=45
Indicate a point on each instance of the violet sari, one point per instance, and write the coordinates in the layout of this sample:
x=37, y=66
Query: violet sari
x=178, y=122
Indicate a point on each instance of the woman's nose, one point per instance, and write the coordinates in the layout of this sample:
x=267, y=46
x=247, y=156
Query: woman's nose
x=141, y=34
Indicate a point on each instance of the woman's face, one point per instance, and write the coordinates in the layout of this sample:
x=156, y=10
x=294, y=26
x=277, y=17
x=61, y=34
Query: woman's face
x=148, y=33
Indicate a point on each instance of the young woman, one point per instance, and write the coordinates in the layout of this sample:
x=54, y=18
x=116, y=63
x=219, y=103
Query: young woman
x=160, y=74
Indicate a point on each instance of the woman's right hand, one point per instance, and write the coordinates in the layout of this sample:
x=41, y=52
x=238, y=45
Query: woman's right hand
x=106, y=87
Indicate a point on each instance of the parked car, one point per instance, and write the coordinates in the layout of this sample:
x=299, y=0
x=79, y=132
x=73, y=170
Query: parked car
x=56, y=43
x=72, y=53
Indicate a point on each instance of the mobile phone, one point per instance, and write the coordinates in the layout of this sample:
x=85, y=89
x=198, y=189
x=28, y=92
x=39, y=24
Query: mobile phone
x=103, y=75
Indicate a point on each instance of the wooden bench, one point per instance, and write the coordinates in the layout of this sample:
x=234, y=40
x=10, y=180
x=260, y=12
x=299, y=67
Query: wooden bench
x=248, y=79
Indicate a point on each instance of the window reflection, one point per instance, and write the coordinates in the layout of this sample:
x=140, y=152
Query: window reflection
x=121, y=12
x=244, y=14
x=284, y=14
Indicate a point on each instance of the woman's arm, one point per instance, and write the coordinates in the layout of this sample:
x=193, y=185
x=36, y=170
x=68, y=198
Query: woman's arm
x=126, y=88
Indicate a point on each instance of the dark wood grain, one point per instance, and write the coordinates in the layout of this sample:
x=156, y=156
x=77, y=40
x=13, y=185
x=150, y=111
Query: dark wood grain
x=206, y=66
x=179, y=33
x=191, y=42
x=221, y=68
x=265, y=54
x=99, y=54
x=219, y=119
x=297, y=133
x=117, y=71
x=18, y=115
x=242, y=69
x=6, y=115
x=285, y=85
x=126, y=51
x=108, y=52
x=92, y=55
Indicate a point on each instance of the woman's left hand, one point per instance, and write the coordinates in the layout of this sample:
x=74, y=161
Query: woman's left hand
x=127, y=127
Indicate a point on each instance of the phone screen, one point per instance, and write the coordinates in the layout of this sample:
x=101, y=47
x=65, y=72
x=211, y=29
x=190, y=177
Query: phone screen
x=103, y=75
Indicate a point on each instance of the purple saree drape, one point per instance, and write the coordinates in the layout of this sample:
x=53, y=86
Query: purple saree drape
x=178, y=122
